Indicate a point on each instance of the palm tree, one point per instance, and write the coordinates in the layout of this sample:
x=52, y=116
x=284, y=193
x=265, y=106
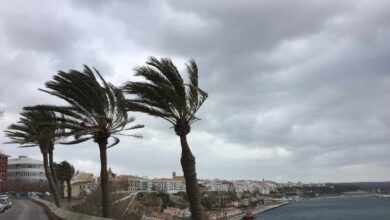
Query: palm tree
x=165, y=95
x=65, y=173
x=31, y=132
x=60, y=182
x=96, y=111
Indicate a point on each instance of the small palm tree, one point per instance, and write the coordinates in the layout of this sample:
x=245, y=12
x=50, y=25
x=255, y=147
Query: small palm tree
x=65, y=174
x=60, y=182
x=30, y=131
x=96, y=111
x=166, y=96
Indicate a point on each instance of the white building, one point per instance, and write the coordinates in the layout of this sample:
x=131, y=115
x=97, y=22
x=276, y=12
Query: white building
x=263, y=187
x=136, y=183
x=25, y=169
x=218, y=185
x=169, y=185
x=82, y=184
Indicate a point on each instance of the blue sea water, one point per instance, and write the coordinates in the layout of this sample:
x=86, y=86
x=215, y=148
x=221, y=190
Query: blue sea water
x=343, y=208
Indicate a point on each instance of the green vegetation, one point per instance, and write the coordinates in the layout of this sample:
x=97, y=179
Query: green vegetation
x=165, y=95
x=213, y=201
x=38, y=128
x=96, y=111
x=65, y=172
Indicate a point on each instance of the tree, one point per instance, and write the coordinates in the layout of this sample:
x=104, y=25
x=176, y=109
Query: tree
x=60, y=182
x=96, y=111
x=165, y=95
x=37, y=128
x=65, y=174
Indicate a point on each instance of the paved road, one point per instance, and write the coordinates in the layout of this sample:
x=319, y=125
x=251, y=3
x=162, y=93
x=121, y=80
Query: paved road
x=23, y=209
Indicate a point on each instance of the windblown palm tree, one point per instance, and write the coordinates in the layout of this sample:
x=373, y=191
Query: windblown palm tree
x=166, y=96
x=96, y=111
x=60, y=182
x=65, y=174
x=38, y=128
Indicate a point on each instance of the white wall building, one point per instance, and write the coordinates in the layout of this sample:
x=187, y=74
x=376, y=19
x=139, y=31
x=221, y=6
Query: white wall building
x=263, y=187
x=169, y=185
x=25, y=169
x=218, y=186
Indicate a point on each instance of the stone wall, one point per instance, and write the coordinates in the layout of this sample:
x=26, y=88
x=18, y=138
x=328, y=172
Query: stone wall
x=62, y=214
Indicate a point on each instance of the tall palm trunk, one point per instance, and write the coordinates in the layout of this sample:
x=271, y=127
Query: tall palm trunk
x=61, y=189
x=104, y=177
x=52, y=168
x=69, y=187
x=50, y=180
x=192, y=188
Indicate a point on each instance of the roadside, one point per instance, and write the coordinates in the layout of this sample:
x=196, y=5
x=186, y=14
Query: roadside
x=24, y=209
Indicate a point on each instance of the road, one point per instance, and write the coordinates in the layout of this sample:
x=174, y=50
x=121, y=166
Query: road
x=23, y=209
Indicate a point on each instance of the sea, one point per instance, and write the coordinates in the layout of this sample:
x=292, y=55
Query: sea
x=340, y=208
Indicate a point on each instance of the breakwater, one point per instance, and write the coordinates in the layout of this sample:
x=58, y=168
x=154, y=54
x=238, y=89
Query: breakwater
x=259, y=210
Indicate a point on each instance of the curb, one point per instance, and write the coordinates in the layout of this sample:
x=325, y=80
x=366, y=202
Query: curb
x=48, y=212
x=56, y=213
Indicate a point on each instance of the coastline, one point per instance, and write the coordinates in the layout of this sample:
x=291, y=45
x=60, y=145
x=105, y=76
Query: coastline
x=260, y=210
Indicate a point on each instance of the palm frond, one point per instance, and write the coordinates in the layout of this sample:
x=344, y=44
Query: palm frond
x=95, y=107
x=76, y=141
x=116, y=141
x=35, y=128
x=164, y=94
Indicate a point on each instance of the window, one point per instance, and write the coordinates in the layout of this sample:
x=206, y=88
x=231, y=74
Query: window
x=2, y=167
x=2, y=175
x=3, y=159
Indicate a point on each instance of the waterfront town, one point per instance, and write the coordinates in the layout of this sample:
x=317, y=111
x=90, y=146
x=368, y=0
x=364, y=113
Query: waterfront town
x=135, y=196
x=195, y=110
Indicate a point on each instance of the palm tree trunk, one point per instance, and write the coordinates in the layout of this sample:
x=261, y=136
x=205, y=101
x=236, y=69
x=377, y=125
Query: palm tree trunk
x=61, y=189
x=52, y=168
x=192, y=188
x=50, y=180
x=69, y=186
x=104, y=178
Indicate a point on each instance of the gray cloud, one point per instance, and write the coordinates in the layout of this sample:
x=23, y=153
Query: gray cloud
x=298, y=90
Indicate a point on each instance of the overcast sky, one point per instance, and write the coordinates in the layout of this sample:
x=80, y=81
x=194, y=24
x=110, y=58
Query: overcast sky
x=298, y=90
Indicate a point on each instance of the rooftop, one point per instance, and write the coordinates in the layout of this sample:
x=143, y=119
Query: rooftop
x=23, y=160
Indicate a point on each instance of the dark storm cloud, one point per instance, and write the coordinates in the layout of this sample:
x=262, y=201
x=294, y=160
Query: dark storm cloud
x=298, y=90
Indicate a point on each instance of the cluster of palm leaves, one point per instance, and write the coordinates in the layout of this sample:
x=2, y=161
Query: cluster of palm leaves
x=97, y=110
x=38, y=128
x=65, y=173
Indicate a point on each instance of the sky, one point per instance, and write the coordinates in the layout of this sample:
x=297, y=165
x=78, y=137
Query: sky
x=298, y=90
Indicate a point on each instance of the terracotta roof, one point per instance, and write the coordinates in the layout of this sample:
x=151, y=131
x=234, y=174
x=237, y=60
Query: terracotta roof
x=23, y=160
x=181, y=178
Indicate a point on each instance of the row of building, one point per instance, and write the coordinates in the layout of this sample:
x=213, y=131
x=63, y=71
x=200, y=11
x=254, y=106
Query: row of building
x=177, y=183
x=31, y=170
x=262, y=187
